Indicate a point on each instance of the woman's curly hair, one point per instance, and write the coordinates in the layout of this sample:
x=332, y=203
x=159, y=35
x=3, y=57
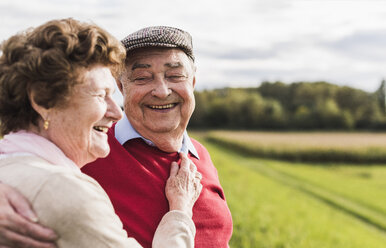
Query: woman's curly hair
x=48, y=60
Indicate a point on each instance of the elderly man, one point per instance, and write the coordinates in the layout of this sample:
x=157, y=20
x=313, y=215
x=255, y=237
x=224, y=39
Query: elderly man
x=157, y=86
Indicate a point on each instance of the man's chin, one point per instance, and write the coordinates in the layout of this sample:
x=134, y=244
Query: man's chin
x=159, y=127
x=166, y=129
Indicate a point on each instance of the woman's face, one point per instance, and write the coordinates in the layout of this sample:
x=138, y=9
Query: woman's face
x=79, y=128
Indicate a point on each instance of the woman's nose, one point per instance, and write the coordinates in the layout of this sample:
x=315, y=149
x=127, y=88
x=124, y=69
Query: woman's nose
x=114, y=112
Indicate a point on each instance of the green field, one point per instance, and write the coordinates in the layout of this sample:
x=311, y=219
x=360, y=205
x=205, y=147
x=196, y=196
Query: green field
x=364, y=147
x=304, y=205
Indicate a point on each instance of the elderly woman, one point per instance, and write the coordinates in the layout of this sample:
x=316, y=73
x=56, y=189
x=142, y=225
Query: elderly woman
x=56, y=86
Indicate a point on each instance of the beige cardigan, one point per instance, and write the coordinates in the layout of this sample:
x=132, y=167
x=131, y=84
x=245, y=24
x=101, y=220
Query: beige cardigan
x=77, y=208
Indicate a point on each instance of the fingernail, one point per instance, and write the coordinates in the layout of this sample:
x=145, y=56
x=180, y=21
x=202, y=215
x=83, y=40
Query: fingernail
x=52, y=234
x=32, y=217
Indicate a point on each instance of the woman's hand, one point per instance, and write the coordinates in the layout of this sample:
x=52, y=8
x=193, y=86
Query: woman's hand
x=183, y=186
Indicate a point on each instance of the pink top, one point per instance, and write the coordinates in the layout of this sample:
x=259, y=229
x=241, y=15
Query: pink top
x=23, y=141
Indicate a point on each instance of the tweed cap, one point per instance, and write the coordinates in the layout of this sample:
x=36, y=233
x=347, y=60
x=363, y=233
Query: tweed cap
x=160, y=36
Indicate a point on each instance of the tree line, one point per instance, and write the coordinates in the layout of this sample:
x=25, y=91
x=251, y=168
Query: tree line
x=297, y=106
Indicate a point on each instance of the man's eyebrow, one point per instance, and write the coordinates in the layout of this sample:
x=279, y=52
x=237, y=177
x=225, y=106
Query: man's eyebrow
x=173, y=65
x=136, y=65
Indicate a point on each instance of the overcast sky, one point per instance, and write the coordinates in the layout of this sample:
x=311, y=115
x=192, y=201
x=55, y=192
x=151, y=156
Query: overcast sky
x=242, y=42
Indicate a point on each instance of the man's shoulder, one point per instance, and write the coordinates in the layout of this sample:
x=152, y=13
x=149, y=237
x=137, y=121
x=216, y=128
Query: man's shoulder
x=198, y=145
x=204, y=156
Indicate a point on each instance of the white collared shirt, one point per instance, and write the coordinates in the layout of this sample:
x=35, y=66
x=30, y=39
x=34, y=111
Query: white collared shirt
x=124, y=131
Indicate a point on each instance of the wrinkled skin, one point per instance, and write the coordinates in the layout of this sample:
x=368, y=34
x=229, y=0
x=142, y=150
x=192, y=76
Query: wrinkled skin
x=158, y=92
x=183, y=186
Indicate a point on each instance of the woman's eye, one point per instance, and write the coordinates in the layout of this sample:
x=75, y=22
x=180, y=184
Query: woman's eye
x=101, y=95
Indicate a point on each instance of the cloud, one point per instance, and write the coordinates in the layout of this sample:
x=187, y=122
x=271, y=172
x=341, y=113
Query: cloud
x=232, y=52
x=367, y=45
x=241, y=43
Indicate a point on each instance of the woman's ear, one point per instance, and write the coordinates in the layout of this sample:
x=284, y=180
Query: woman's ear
x=42, y=111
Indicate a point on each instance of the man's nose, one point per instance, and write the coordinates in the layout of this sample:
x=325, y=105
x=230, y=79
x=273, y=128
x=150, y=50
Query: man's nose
x=113, y=111
x=161, y=88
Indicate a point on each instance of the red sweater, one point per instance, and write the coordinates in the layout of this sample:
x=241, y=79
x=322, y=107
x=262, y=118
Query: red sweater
x=134, y=176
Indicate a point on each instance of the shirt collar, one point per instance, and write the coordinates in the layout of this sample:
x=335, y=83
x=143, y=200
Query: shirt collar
x=124, y=131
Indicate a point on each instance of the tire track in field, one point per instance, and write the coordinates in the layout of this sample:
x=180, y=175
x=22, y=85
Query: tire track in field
x=357, y=210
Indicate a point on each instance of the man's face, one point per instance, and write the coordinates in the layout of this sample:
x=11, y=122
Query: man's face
x=157, y=88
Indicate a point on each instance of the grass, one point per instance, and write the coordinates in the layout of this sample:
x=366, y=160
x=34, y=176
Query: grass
x=365, y=185
x=276, y=203
x=311, y=146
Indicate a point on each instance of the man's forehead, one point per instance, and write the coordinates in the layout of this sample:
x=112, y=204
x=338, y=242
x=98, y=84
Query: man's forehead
x=168, y=57
x=144, y=65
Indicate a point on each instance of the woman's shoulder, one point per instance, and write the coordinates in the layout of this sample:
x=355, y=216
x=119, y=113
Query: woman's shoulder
x=12, y=163
x=34, y=176
x=67, y=201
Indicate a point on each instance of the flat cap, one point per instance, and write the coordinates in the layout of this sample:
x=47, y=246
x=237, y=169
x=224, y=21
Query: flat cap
x=160, y=36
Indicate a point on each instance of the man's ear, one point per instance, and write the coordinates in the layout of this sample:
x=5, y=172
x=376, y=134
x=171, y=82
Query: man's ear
x=194, y=76
x=119, y=84
x=194, y=82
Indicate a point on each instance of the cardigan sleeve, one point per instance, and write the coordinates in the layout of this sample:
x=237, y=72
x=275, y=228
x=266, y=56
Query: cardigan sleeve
x=79, y=211
x=176, y=229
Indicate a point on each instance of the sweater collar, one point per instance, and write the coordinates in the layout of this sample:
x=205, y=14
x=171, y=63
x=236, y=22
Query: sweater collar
x=124, y=132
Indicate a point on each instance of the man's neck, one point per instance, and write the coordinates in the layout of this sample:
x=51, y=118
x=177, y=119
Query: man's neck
x=167, y=142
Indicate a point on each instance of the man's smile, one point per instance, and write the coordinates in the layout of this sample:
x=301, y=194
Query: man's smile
x=162, y=107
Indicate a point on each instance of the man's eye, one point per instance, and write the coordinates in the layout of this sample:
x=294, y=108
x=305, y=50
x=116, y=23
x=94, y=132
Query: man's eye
x=176, y=76
x=141, y=78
